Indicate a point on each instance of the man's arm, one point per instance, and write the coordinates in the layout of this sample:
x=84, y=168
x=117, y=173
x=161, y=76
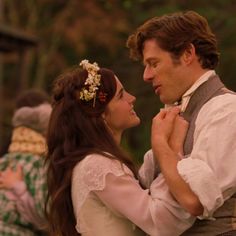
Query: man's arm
x=210, y=168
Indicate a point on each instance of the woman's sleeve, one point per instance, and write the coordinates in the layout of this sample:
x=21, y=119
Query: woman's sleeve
x=157, y=214
x=153, y=210
x=149, y=169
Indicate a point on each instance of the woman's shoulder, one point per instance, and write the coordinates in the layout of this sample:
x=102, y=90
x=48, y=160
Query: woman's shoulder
x=101, y=163
x=95, y=167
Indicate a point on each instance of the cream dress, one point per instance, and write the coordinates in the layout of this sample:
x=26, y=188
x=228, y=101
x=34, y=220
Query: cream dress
x=108, y=201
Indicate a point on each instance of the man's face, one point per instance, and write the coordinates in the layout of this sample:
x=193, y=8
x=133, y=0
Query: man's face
x=169, y=78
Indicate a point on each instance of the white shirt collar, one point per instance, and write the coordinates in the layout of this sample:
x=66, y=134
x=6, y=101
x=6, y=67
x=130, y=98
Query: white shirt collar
x=198, y=82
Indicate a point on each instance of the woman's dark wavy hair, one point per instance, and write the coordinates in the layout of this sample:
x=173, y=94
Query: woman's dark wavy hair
x=174, y=33
x=76, y=129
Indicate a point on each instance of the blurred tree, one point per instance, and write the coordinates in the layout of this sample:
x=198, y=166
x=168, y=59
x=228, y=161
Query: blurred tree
x=70, y=30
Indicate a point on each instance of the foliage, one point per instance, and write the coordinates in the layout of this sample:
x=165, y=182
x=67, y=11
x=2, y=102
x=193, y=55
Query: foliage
x=71, y=30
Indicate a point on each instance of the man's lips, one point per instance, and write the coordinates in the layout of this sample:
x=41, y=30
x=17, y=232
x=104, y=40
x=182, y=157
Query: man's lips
x=157, y=88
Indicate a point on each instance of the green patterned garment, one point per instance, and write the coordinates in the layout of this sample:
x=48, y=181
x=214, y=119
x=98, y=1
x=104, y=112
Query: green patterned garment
x=11, y=221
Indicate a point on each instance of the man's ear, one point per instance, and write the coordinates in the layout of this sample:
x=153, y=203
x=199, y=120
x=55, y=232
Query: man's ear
x=189, y=54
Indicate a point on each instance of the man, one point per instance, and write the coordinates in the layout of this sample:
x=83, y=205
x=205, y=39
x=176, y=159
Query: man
x=179, y=53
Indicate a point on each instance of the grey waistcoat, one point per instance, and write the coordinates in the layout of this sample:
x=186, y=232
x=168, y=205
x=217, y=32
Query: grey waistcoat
x=225, y=215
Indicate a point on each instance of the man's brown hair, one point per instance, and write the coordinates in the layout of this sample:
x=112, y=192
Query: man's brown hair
x=174, y=33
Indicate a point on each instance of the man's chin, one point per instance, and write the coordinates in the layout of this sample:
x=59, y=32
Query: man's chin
x=167, y=101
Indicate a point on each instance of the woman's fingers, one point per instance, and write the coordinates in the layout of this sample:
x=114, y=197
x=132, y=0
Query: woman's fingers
x=178, y=134
x=162, y=125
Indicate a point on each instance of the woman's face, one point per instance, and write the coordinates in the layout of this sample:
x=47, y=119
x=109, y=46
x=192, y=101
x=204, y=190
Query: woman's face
x=119, y=114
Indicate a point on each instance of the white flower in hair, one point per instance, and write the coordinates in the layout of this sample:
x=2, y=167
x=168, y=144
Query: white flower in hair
x=92, y=82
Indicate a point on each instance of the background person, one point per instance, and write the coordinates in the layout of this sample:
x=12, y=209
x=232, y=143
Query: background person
x=22, y=171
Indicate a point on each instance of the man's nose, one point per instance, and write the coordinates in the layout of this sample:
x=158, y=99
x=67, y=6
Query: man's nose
x=147, y=74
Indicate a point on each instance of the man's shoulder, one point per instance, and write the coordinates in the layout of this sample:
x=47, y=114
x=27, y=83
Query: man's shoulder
x=227, y=97
x=225, y=102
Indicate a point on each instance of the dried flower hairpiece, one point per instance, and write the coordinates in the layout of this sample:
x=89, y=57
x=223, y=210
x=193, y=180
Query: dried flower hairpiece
x=92, y=82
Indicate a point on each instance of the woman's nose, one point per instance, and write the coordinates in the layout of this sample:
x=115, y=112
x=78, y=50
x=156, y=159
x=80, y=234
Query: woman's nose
x=132, y=98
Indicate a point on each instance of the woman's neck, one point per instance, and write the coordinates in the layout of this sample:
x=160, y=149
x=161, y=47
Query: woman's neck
x=117, y=137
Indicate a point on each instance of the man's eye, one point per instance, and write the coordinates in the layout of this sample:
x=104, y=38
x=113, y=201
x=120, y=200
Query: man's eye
x=154, y=64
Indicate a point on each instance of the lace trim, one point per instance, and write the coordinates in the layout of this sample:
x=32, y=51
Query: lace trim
x=90, y=175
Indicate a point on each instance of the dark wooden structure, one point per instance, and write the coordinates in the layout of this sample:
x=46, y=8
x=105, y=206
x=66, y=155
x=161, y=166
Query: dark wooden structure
x=15, y=40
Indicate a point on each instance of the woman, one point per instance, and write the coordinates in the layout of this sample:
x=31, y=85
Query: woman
x=93, y=186
x=22, y=171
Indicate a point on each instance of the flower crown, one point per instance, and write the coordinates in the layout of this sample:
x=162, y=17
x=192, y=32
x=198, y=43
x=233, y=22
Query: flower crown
x=92, y=83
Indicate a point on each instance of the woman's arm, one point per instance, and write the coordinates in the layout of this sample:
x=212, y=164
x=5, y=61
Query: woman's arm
x=162, y=128
x=115, y=185
x=151, y=213
x=12, y=180
x=150, y=169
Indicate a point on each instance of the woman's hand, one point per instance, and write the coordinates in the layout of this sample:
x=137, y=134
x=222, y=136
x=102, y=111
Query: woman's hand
x=162, y=127
x=168, y=134
x=178, y=134
x=9, y=177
